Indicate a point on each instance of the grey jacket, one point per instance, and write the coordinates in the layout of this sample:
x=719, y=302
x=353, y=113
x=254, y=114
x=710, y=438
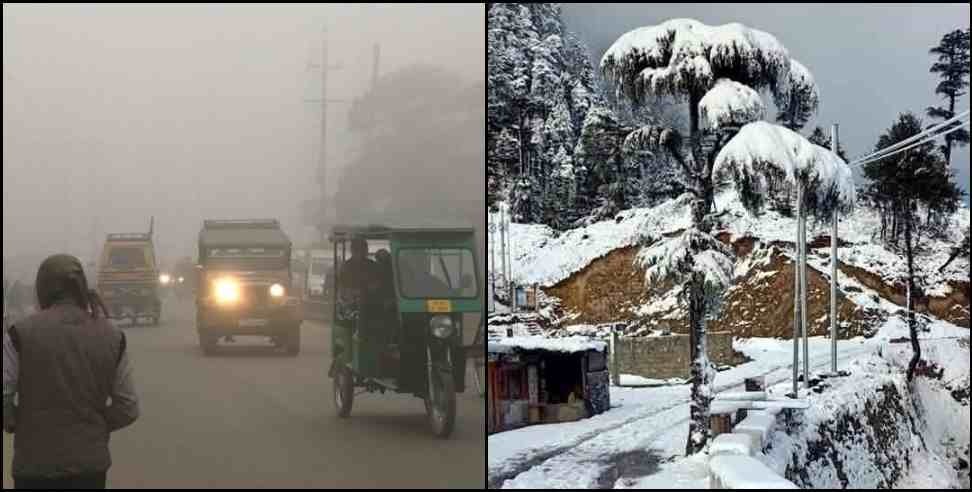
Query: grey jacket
x=64, y=366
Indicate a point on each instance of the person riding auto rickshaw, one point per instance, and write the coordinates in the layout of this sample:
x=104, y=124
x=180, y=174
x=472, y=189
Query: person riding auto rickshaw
x=398, y=319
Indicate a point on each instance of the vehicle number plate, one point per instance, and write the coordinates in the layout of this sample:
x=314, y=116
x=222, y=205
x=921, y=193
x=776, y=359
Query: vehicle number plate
x=253, y=323
x=440, y=306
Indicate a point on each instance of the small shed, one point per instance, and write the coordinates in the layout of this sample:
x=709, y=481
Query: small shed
x=538, y=380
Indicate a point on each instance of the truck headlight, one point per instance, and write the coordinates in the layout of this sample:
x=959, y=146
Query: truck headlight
x=182, y=280
x=442, y=327
x=227, y=291
x=165, y=279
x=277, y=290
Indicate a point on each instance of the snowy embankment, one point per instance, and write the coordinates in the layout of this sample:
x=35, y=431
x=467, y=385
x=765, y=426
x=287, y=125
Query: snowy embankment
x=541, y=257
x=652, y=424
x=873, y=430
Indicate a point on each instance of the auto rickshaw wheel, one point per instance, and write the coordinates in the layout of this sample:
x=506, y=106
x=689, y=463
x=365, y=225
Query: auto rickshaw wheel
x=440, y=406
x=343, y=392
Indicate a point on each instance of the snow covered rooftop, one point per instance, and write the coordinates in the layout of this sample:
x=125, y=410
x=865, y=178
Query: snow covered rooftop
x=568, y=345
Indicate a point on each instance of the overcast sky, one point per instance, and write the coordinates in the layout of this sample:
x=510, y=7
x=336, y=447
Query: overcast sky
x=870, y=61
x=117, y=112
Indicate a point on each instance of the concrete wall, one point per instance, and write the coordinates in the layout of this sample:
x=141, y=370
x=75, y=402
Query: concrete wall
x=668, y=356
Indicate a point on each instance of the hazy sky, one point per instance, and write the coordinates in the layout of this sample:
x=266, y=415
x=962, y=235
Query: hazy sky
x=113, y=113
x=870, y=61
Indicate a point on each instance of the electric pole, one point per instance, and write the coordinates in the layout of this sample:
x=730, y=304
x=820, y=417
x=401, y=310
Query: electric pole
x=835, y=145
x=324, y=209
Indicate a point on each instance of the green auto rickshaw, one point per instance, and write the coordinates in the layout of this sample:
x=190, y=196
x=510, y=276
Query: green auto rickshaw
x=401, y=299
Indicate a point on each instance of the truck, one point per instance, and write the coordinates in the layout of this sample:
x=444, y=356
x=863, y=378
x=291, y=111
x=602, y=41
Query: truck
x=128, y=277
x=245, y=285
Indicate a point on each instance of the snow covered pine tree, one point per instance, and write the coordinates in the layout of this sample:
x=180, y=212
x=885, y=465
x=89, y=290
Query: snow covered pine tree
x=903, y=185
x=717, y=70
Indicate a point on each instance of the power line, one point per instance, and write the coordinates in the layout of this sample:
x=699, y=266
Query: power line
x=931, y=130
x=909, y=147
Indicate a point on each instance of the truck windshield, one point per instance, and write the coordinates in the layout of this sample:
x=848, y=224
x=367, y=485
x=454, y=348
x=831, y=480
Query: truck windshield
x=247, y=258
x=437, y=273
x=127, y=258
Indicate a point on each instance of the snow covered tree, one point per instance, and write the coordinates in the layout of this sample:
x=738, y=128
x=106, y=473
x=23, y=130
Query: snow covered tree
x=717, y=70
x=801, y=101
x=820, y=138
x=953, y=68
x=600, y=149
x=540, y=90
x=526, y=200
x=905, y=185
x=560, y=193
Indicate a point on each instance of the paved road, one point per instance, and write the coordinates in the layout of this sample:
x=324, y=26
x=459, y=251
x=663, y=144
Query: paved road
x=251, y=419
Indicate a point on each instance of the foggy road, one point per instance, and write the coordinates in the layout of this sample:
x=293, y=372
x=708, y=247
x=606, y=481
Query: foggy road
x=249, y=418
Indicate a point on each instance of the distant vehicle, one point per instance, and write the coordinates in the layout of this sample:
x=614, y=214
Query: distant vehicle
x=244, y=284
x=320, y=274
x=184, y=279
x=128, y=277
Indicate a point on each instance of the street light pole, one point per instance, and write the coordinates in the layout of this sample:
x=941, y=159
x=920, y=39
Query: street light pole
x=835, y=145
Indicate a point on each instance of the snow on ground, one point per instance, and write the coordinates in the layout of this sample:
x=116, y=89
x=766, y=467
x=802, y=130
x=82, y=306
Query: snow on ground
x=581, y=454
x=632, y=380
x=541, y=257
x=654, y=419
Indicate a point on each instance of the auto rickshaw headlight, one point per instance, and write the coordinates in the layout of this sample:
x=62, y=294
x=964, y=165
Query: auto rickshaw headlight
x=442, y=327
x=227, y=291
x=277, y=290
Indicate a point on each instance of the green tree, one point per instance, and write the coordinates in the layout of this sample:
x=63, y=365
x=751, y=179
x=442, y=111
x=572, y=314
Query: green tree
x=952, y=66
x=917, y=190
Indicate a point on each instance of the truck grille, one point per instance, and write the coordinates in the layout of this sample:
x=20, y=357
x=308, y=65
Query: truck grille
x=257, y=295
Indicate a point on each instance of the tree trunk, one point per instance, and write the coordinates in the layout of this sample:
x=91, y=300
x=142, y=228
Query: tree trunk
x=948, y=138
x=701, y=374
x=701, y=389
x=912, y=324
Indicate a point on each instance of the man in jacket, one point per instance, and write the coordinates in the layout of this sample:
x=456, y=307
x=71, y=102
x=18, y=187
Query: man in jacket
x=63, y=364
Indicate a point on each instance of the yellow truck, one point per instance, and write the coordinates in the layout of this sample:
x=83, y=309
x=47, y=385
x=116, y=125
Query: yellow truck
x=128, y=277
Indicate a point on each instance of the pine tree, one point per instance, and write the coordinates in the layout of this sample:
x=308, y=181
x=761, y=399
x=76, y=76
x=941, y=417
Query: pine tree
x=560, y=193
x=600, y=149
x=904, y=186
x=953, y=68
x=527, y=200
x=540, y=90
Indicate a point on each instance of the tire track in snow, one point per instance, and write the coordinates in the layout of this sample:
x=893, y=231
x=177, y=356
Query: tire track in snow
x=570, y=465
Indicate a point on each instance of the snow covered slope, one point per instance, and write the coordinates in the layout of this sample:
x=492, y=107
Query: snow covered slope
x=541, y=257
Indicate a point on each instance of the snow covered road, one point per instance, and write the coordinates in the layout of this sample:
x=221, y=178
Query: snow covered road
x=579, y=454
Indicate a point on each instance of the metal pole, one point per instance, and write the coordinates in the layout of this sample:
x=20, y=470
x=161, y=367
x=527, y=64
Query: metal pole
x=835, y=145
x=615, y=364
x=796, y=296
x=803, y=299
x=492, y=251
x=323, y=164
x=509, y=259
